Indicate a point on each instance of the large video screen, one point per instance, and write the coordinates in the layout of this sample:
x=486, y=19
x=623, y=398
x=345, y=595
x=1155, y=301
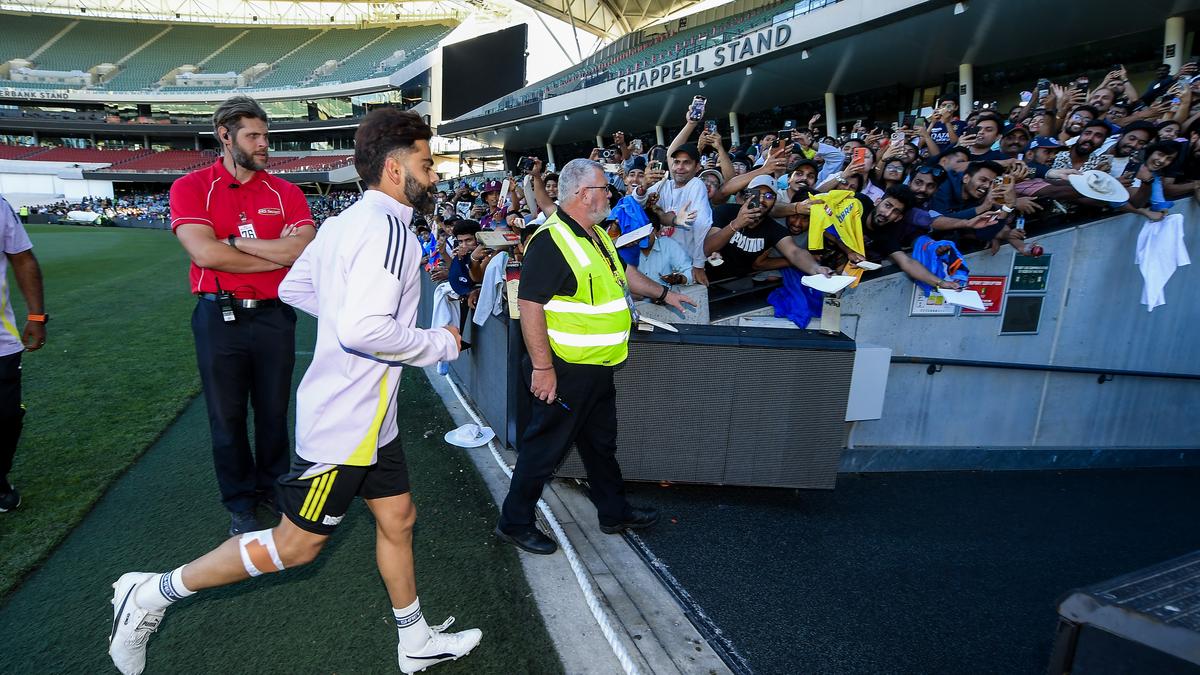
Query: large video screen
x=482, y=69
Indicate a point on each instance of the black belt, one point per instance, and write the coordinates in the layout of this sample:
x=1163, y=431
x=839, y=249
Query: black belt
x=246, y=303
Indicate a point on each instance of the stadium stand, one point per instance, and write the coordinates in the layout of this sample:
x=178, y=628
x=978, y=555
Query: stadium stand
x=168, y=161
x=17, y=151
x=90, y=43
x=86, y=155
x=31, y=33
x=365, y=62
x=147, y=52
x=648, y=50
x=182, y=45
x=315, y=163
x=258, y=45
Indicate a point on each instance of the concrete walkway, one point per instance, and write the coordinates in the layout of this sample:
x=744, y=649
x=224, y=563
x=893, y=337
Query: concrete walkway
x=649, y=622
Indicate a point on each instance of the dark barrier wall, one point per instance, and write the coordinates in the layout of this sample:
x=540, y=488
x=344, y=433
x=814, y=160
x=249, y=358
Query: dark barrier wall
x=710, y=404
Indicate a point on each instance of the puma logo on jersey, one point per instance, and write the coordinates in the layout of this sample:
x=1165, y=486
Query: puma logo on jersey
x=330, y=520
x=267, y=211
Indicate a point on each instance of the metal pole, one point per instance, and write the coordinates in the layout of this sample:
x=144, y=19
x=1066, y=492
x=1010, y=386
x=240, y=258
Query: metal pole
x=966, y=89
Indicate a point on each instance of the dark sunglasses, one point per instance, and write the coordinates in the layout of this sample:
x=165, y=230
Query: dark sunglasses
x=935, y=171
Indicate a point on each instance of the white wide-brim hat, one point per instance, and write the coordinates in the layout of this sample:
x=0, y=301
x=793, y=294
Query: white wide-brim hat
x=1100, y=186
x=470, y=436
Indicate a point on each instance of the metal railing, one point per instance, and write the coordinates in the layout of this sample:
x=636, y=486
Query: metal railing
x=1102, y=374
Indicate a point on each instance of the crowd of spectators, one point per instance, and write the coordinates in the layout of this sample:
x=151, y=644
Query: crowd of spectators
x=917, y=194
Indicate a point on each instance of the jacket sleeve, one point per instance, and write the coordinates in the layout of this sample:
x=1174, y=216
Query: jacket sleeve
x=297, y=288
x=376, y=263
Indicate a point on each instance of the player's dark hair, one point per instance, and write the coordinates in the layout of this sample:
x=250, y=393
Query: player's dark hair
x=235, y=109
x=382, y=132
x=464, y=226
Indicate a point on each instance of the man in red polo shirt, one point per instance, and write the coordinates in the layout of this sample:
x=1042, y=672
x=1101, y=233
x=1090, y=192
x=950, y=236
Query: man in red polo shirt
x=243, y=229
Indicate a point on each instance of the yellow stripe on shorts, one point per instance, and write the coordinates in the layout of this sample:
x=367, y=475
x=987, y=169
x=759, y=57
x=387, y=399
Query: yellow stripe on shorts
x=320, y=505
x=314, y=489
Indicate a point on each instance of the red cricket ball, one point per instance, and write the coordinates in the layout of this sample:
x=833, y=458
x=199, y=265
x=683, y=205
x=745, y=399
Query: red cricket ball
x=1036, y=251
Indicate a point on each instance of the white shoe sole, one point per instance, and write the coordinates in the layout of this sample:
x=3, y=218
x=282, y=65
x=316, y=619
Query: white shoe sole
x=123, y=590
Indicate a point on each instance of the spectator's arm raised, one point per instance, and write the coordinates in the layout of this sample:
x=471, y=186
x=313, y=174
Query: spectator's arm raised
x=689, y=125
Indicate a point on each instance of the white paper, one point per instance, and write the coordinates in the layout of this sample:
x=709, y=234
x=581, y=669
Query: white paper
x=658, y=324
x=825, y=284
x=635, y=235
x=968, y=299
x=868, y=265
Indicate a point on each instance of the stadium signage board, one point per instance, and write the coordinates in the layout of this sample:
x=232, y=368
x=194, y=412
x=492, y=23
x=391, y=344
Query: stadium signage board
x=728, y=54
x=35, y=95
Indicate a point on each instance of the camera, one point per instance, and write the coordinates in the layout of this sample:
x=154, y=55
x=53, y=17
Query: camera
x=525, y=165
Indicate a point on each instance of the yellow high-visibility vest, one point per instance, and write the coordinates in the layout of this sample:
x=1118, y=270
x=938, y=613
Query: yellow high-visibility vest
x=591, y=326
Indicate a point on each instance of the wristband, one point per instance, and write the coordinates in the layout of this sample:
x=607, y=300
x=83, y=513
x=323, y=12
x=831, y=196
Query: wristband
x=39, y=318
x=546, y=368
x=231, y=244
x=660, y=299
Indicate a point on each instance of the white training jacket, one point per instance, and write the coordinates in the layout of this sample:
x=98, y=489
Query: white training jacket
x=360, y=277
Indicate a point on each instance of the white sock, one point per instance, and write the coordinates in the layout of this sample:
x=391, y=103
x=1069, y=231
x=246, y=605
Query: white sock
x=160, y=591
x=410, y=623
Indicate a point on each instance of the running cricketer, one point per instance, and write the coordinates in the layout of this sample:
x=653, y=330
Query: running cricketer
x=361, y=278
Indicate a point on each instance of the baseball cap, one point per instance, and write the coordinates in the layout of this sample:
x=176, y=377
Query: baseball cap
x=762, y=181
x=638, y=163
x=689, y=148
x=713, y=172
x=490, y=186
x=1046, y=142
x=1016, y=128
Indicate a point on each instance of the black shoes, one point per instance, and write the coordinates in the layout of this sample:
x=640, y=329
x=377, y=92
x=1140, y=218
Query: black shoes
x=636, y=518
x=529, y=539
x=243, y=522
x=10, y=499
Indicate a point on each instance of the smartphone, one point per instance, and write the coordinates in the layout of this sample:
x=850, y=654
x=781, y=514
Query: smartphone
x=657, y=159
x=754, y=202
x=526, y=165
x=696, y=110
x=710, y=126
x=1082, y=81
x=909, y=121
x=859, y=155
x=788, y=125
x=920, y=123
x=1026, y=96
x=898, y=138
x=970, y=131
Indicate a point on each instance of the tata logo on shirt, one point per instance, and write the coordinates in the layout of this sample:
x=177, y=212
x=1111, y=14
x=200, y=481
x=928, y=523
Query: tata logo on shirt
x=269, y=212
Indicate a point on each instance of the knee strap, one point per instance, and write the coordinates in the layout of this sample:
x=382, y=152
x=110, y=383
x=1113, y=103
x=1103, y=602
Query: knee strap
x=259, y=555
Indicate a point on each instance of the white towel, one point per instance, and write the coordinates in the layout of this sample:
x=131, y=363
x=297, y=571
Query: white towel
x=445, y=306
x=491, y=291
x=1160, y=249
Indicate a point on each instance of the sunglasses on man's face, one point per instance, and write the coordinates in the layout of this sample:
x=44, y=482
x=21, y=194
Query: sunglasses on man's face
x=935, y=171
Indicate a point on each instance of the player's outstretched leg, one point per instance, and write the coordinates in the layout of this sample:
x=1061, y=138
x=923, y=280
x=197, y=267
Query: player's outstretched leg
x=420, y=645
x=141, y=598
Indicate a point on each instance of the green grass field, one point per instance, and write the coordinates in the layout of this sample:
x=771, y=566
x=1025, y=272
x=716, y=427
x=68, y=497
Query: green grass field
x=117, y=368
x=330, y=617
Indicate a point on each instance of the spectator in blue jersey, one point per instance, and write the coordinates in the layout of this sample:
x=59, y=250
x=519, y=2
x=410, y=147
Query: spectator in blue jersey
x=945, y=127
x=979, y=143
x=460, y=265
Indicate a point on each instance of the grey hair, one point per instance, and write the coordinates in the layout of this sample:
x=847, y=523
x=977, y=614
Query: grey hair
x=236, y=108
x=574, y=175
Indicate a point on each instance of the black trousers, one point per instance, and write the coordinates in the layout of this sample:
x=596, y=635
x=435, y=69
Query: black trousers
x=591, y=424
x=11, y=413
x=251, y=360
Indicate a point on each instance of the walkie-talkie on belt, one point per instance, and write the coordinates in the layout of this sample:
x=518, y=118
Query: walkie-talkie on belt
x=225, y=302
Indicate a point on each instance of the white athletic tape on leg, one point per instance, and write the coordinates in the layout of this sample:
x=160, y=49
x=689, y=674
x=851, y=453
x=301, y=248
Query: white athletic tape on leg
x=259, y=555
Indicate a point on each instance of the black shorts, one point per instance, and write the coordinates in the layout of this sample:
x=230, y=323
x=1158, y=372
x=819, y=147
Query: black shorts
x=315, y=496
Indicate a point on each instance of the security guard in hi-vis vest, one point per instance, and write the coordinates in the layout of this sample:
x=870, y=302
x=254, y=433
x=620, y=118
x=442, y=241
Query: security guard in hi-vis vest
x=575, y=317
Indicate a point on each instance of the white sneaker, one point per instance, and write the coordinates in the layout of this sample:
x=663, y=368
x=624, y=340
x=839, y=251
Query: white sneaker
x=441, y=646
x=132, y=625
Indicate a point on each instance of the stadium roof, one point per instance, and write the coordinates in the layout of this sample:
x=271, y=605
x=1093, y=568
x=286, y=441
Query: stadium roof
x=610, y=18
x=262, y=12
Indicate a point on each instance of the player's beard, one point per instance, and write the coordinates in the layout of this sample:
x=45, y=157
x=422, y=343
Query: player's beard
x=420, y=197
x=247, y=160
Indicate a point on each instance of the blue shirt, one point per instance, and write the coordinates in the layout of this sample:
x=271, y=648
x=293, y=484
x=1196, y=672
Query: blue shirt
x=667, y=257
x=459, y=277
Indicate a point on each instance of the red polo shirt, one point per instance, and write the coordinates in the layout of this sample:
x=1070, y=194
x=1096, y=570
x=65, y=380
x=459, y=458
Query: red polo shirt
x=261, y=207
